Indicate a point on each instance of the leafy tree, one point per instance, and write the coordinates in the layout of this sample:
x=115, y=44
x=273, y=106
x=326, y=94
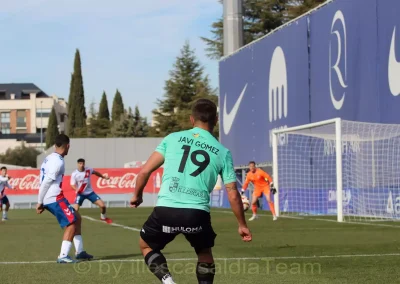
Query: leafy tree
x=259, y=18
x=186, y=84
x=117, y=107
x=52, y=129
x=20, y=156
x=77, y=112
x=103, y=109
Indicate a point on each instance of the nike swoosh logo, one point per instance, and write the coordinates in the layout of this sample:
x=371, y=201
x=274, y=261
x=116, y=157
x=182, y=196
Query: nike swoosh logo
x=228, y=118
x=394, y=68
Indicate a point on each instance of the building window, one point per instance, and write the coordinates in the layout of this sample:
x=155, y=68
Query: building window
x=43, y=130
x=21, y=118
x=44, y=112
x=5, y=123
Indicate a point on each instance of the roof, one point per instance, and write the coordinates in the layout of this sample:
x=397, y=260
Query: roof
x=21, y=90
x=27, y=137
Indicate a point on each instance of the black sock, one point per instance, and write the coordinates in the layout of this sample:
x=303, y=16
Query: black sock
x=205, y=272
x=157, y=264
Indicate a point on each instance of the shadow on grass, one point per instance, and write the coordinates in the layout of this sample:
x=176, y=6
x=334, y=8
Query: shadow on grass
x=125, y=256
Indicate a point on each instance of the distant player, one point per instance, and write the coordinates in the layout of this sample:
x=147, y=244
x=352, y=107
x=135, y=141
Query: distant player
x=80, y=182
x=192, y=161
x=4, y=178
x=51, y=198
x=262, y=185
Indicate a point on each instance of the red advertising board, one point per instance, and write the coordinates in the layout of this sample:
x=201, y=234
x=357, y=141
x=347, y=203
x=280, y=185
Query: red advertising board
x=122, y=181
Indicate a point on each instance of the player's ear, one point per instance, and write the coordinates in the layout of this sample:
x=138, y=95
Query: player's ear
x=192, y=120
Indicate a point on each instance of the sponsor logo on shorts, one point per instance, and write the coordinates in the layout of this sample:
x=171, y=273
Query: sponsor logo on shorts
x=186, y=230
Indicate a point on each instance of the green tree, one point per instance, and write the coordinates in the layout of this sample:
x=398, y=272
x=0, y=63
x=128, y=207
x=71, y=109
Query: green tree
x=71, y=104
x=117, y=107
x=140, y=124
x=130, y=125
x=77, y=112
x=259, y=18
x=20, y=156
x=52, y=129
x=300, y=7
x=97, y=127
x=181, y=90
x=103, y=109
x=124, y=127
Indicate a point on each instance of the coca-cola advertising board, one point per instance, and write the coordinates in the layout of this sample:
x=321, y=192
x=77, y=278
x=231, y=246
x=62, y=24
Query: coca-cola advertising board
x=122, y=181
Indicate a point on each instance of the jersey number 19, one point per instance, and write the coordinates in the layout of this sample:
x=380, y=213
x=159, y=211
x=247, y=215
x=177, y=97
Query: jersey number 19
x=202, y=165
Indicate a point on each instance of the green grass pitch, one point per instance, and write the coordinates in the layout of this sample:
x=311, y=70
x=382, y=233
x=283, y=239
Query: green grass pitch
x=285, y=251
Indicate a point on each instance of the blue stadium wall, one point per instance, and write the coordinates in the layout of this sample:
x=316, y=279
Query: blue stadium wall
x=341, y=60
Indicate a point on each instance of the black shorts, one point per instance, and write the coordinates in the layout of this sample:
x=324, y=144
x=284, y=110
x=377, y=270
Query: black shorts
x=165, y=223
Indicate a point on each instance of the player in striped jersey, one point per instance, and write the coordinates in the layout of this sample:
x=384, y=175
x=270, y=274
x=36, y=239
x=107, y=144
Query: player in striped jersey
x=80, y=182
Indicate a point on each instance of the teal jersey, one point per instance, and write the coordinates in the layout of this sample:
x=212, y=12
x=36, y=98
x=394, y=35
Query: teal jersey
x=193, y=160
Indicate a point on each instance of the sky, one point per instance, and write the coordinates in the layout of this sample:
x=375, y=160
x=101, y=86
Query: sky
x=129, y=45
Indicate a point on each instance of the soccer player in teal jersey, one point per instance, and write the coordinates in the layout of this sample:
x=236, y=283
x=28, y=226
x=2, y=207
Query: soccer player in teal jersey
x=192, y=160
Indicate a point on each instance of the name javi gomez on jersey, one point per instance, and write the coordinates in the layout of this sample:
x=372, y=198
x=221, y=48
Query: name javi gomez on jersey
x=193, y=161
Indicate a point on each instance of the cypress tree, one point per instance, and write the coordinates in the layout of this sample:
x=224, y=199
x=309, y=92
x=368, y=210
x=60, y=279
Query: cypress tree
x=71, y=113
x=80, y=111
x=76, y=102
x=103, y=109
x=117, y=107
x=52, y=129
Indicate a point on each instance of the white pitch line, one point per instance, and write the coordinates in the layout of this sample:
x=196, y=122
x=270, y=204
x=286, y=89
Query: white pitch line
x=220, y=259
x=320, y=219
x=357, y=223
x=113, y=224
x=286, y=217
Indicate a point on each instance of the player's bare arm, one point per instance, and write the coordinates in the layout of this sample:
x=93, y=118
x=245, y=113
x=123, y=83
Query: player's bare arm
x=153, y=163
x=73, y=186
x=237, y=207
x=96, y=173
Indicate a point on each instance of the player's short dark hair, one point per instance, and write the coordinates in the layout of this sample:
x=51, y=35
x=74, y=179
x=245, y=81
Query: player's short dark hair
x=252, y=162
x=61, y=140
x=3, y=168
x=81, y=160
x=205, y=111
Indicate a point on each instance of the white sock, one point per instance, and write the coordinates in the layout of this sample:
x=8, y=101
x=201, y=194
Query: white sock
x=65, y=248
x=4, y=214
x=103, y=216
x=167, y=279
x=78, y=242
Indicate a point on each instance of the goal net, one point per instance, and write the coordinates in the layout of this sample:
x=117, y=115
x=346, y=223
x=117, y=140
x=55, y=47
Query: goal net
x=340, y=168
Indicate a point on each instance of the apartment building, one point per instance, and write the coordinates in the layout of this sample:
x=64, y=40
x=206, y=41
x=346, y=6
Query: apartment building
x=24, y=113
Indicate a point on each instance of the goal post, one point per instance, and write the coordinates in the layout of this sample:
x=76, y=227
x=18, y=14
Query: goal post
x=339, y=168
